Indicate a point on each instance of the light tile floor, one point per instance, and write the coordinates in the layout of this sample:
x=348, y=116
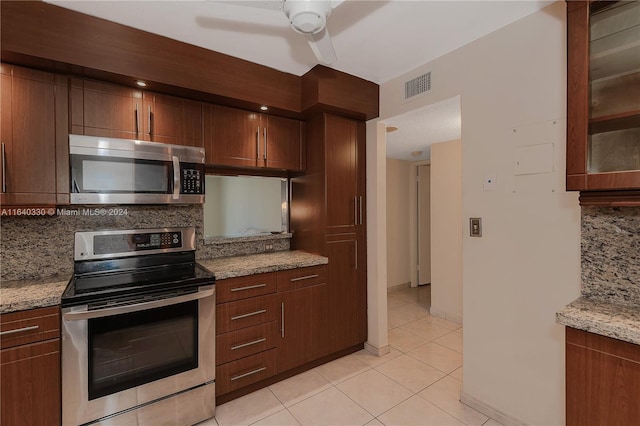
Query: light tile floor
x=417, y=383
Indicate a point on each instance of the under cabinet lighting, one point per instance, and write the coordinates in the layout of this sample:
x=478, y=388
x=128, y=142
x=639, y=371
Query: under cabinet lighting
x=141, y=83
x=264, y=108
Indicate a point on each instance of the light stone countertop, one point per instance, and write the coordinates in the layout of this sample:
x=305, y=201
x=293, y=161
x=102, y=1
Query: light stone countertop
x=29, y=294
x=613, y=320
x=239, y=266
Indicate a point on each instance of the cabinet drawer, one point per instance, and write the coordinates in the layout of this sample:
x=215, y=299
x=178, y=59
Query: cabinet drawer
x=243, y=372
x=248, y=341
x=246, y=313
x=301, y=277
x=19, y=328
x=238, y=288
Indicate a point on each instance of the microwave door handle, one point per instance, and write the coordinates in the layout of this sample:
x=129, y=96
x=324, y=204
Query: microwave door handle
x=176, y=177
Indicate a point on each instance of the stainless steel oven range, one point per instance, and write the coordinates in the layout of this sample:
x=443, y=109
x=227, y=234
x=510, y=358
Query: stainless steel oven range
x=138, y=330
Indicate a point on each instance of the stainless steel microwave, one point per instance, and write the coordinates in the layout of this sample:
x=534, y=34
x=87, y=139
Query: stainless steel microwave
x=124, y=171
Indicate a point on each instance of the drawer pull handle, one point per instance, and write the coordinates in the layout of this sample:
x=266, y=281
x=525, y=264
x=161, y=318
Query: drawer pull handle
x=257, y=370
x=307, y=277
x=19, y=330
x=249, y=287
x=250, y=314
x=244, y=345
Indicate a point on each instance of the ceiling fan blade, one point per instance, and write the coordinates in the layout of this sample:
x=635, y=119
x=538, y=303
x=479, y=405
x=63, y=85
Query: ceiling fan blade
x=322, y=47
x=264, y=4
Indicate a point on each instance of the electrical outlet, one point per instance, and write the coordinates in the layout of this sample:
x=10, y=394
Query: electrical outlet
x=268, y=247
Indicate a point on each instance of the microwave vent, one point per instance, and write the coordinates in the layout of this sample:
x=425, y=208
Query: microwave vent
x=417, y=86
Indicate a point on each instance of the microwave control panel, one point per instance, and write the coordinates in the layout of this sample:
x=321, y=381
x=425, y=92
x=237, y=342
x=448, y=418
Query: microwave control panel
x=192, y=179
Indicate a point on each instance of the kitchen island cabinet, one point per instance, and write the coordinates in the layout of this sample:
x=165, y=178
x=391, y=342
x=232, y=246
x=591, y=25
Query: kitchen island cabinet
x=35, y=152
x=240, y=138
x=603, y=101
x=30, y=367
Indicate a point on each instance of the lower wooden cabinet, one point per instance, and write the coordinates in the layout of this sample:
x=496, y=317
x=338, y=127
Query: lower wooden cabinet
x=267, y=324
x=602, y=380
x=30, y=368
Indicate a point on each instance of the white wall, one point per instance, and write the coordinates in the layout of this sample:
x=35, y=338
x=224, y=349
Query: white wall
x=398, y=237
x=527, y=264
x=446, y=232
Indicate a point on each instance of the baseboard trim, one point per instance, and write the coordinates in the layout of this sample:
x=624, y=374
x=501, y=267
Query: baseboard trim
x=497, y=415
x=376, y=350
x=398, y=287
x=445, y=315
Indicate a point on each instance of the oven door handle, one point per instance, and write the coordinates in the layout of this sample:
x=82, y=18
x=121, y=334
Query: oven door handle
x=118, y=310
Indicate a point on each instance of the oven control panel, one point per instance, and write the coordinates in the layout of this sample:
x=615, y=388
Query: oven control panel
x=110, y=244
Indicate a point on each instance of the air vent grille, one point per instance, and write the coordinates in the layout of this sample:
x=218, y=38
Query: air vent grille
x=417, y=85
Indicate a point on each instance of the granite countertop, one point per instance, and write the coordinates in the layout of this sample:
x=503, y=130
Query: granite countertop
x=613, y=320
x=29, y=294
x=238, y=266
x=246, y=238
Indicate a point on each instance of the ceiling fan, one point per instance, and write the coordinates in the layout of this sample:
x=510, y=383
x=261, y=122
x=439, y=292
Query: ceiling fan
x=306, y=17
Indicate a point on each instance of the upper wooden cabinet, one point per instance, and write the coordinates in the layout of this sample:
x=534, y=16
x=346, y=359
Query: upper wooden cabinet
x=240, y=138
x=603, y=96
x=105, y=109
x=35, y=163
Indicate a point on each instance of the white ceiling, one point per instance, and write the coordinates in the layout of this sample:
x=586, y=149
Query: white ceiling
x=419, y=128
x=374, y=40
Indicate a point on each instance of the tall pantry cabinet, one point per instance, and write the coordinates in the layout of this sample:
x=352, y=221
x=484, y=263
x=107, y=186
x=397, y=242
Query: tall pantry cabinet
x=328, y=216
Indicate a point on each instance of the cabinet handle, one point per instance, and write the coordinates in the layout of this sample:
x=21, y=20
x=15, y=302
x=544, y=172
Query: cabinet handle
x=258, y=142
x=308, y=277
x=355, y=210
x=149, y=120
x=282, y=319
x=265, y=144
x=249, y=287
x=137, y=120
x=4, y=170
x=250, y=314
x=244, y=345
x=257, y=370
x=19, y=330
x=361, y=210
x=356, y=254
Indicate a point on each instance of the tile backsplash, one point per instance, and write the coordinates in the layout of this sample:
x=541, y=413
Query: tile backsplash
x=39, y=247
x=611, y=254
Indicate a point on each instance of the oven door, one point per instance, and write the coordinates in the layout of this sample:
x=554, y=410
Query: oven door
x=116, y=358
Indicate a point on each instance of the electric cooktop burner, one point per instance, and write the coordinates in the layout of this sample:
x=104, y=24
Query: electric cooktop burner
x=115, y=264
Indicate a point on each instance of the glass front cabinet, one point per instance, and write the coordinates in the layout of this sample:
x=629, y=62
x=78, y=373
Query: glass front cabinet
x=603, y=101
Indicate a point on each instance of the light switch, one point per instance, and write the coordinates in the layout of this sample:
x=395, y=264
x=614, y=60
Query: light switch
x=475, y=227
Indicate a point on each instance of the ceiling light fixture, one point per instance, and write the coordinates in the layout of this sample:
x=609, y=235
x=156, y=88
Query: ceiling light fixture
x=264, y=108
x=416, y=153
x=391, y=129
x=141, y=83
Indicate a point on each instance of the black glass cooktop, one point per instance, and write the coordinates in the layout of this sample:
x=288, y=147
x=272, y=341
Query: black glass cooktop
x=97, y=281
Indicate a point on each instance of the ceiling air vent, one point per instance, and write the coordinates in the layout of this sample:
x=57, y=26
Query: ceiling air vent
x=417, y=86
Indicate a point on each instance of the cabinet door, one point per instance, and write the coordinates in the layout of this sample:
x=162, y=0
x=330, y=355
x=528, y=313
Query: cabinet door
x=231, y=136
x=304, y=329
x=281, y=144
x=341, y=153
x=30, y=391
x=28, y=136
x=602, y=380
x=168, y=119
x=107, y=110
x=346, y=295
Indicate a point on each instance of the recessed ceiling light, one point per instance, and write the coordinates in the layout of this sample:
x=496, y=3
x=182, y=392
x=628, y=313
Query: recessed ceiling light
x=141, y=83
x=264, y=108
x=391, y=129
x=416, y=153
